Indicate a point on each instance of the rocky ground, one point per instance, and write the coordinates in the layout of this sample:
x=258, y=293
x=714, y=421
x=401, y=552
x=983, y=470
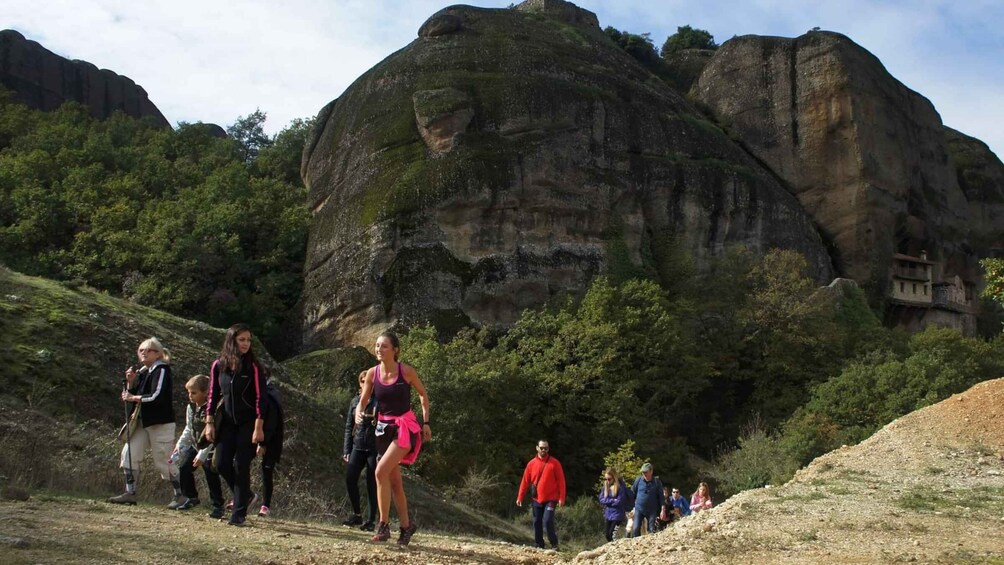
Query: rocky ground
x=928, y=488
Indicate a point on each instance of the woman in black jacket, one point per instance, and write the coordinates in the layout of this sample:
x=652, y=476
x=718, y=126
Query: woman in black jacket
x=360, y=452
x=238, y=381
x=149, y=390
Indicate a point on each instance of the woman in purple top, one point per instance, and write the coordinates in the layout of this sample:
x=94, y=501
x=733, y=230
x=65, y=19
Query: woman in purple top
x=398, y=434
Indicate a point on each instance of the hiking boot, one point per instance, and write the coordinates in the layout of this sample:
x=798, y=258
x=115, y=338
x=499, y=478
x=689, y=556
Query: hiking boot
x=189, y=504
x=236, y=521
x=264, y=511
x=124, y=498
x=217, y=513
x=178, y=501
x=353, y=520
x=405, y=536
x=368, y=526
x=382, y=533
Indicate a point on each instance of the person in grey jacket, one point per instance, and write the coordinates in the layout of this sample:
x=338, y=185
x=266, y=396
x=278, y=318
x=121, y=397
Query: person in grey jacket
x=360, y=453
x=189, y=456
x=647, y=500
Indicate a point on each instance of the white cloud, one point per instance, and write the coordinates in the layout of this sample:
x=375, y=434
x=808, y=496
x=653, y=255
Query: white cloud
x=213, y=61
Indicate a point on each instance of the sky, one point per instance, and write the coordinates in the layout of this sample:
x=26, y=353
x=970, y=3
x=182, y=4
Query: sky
x=217, y=60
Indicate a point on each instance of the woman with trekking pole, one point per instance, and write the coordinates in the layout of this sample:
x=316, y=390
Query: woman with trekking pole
x=147, y=394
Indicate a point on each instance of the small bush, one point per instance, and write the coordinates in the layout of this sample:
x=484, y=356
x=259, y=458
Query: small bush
x=759, y=460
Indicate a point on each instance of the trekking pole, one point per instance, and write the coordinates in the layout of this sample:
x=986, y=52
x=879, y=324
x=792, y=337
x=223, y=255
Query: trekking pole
x=128, y=428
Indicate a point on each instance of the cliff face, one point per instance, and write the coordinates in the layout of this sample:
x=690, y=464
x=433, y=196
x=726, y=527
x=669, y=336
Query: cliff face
x=44, y=81
x=506, y=156
x=867, y=157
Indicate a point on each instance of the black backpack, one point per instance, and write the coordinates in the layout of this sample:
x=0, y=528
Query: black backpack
x=627, y=504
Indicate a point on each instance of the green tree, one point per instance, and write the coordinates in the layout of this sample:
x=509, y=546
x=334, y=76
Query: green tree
x=170, y=218
x=884, y=385
x=638, y=46
x=994, y=277
x=249, y=133
x=687, y=37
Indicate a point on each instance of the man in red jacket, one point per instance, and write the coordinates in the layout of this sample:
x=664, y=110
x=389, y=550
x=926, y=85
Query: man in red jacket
x=545, y=480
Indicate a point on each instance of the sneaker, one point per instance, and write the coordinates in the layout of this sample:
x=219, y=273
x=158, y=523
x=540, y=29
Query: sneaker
x=368, y=526
x=189, y=504
x=382, y=533
x=405, y=536
x=230, y=504
x=236, y=521
x=124, y=498
x=264, y=511
x=353, y=520
x=217, y=513
x=178, y=501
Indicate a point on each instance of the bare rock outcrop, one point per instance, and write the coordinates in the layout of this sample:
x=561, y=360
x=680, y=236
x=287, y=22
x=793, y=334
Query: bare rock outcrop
x=866, y=156
x=44, y=81
x=510, y=155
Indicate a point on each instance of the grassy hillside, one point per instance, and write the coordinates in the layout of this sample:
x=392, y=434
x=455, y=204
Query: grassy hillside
x=63, y=351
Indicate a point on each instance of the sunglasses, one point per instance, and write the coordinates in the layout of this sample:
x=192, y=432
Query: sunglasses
x=543, y=448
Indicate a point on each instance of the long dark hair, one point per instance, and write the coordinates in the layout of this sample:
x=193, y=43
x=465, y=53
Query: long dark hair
x=230, y=355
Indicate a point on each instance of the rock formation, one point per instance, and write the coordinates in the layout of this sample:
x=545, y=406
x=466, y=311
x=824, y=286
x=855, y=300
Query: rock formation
x=866, y=156
x=510, y=155
x=44, y=81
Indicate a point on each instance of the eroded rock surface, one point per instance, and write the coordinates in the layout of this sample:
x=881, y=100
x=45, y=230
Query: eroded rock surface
x=485, y=169
x=43, y=80
x=867, y=157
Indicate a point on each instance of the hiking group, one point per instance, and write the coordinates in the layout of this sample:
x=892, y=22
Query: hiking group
x=234, y=415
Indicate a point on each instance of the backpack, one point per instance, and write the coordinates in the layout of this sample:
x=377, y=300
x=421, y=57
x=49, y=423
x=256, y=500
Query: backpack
x=627, y=503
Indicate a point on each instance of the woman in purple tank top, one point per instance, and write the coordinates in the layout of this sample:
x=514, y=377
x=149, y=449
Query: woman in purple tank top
x=398, y=434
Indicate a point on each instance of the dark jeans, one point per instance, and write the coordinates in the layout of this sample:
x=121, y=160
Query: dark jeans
x=359, y=459
x=611, y=530
x=186, y=475
x=543, y=518
x=650, y=517
x=235, y=452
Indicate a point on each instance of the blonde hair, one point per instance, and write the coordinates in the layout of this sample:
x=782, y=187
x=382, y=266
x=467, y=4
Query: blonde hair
x=609, y=490
x=199, y=383
x=154, y=344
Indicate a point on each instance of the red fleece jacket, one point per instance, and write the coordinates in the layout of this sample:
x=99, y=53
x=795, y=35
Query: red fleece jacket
x=550, y=479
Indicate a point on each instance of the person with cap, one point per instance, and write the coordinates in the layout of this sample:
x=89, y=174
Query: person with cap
x=544, y=481
x=647, y=500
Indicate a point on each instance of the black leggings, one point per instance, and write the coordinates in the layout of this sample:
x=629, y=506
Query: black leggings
x=235, y=452
x=612, y=528
x=357, y=460
x=267, y=474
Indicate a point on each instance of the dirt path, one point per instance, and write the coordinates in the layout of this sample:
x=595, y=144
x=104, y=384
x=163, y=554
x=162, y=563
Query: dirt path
x=69, y=530
x=927, y=488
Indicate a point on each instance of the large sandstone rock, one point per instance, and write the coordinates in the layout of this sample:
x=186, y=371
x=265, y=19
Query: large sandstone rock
x=508, y=156
x=44, y=81
x=866, y=156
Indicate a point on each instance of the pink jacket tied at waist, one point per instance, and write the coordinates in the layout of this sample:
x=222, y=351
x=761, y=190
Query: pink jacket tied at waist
x=407, y=424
